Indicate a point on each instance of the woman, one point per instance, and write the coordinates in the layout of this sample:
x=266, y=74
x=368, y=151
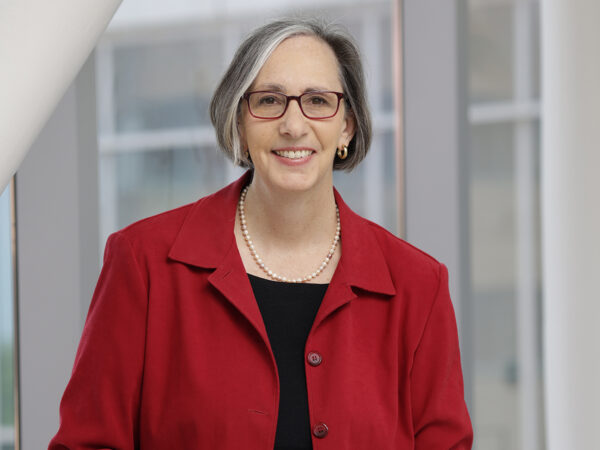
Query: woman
x=269, y=315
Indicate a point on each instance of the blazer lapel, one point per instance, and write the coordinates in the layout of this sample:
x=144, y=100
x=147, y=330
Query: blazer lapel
x=206, y=240
x=230, y=279
x=362, y=265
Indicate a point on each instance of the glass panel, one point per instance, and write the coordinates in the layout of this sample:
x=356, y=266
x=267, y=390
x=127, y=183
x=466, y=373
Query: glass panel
x=503, y=166
x=387, y=69
x=165, y=84
x=493, y=256
x=491, y=40
x=7, y=416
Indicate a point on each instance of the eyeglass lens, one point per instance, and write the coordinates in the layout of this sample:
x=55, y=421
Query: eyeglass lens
x=313, y=104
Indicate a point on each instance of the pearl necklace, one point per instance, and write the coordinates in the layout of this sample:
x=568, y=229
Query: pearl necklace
x=260, y=262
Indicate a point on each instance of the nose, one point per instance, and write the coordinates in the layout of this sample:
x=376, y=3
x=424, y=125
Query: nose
x=293, y=122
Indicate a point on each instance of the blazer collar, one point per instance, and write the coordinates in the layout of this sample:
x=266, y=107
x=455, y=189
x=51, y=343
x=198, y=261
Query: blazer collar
x=206, y=239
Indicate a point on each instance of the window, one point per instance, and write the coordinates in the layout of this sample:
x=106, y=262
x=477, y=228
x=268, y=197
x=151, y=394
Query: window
x=7, y=345
x=503, y=158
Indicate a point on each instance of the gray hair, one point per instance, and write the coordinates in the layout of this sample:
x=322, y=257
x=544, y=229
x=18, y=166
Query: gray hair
x=250, y=58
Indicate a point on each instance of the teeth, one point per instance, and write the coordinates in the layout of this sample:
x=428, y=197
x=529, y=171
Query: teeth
x=293, y=154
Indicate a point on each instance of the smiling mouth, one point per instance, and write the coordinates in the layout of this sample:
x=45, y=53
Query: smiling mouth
x=293, y=154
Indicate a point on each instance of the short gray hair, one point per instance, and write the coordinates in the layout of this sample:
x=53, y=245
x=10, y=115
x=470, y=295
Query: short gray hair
x=252, y=55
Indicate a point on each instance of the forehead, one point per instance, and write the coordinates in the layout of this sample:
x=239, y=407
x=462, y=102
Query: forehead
x=300, y=63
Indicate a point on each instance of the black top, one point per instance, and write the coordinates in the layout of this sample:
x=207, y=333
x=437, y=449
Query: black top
x=288, y=311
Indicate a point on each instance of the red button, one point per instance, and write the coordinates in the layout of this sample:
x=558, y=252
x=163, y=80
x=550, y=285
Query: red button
x=314, y=359
x=320, y=430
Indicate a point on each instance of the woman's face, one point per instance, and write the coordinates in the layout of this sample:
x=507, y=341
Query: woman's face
x=299, y=64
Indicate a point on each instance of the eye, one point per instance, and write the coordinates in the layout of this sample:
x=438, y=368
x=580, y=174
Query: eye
x=317, y=100
x=269, y=99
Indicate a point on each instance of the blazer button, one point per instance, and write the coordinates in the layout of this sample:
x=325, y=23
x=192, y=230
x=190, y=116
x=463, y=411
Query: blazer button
x=320, y=430
x=314, y=359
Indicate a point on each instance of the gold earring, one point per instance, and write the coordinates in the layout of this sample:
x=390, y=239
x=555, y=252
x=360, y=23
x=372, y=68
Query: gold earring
x=343, y=152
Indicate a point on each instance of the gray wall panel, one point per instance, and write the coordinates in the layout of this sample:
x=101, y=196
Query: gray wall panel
x=57, y=238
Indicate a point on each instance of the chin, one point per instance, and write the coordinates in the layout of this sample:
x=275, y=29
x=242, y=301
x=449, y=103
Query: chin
x=298, y=182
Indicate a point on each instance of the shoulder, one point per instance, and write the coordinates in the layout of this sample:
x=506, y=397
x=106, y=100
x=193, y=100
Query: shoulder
x=152, y=237
x=385, y=256
x=160, y=228
x=406, y=262
x=420, y=280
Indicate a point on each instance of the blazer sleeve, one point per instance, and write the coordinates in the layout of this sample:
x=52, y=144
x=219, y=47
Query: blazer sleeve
x=440, y=417
x=100, y=406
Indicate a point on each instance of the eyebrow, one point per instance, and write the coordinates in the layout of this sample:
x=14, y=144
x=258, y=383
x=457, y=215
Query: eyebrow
x=280, y=88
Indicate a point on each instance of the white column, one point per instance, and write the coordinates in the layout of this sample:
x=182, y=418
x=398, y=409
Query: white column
x=43, y=44
x=571, y=221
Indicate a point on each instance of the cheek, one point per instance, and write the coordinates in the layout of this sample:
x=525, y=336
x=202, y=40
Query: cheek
x=257, y=137
x=337, y=136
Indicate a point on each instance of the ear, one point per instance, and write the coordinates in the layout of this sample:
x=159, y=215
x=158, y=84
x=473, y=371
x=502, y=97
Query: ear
x=348, y=129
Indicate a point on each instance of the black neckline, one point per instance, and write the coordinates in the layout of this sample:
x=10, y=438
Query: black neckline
x=284, y=283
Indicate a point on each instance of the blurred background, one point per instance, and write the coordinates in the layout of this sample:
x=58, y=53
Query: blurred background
x=469, y=120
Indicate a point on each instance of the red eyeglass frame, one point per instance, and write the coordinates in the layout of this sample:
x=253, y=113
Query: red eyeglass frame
x=339, y=95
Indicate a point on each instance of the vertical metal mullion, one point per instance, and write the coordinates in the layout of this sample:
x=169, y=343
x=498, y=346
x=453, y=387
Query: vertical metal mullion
x=465, y=313
x=526, y=304
x=398, y=59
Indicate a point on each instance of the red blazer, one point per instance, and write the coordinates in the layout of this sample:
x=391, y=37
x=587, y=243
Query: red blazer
x=175, y=355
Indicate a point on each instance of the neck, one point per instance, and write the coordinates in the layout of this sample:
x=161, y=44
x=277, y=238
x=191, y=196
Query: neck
x=290, y=219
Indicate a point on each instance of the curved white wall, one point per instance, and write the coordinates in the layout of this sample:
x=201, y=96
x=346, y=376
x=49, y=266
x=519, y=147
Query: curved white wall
x=571, y=221
x=43, y=44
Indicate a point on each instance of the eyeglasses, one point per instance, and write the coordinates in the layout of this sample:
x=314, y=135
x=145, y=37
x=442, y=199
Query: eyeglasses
x=273, y=105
